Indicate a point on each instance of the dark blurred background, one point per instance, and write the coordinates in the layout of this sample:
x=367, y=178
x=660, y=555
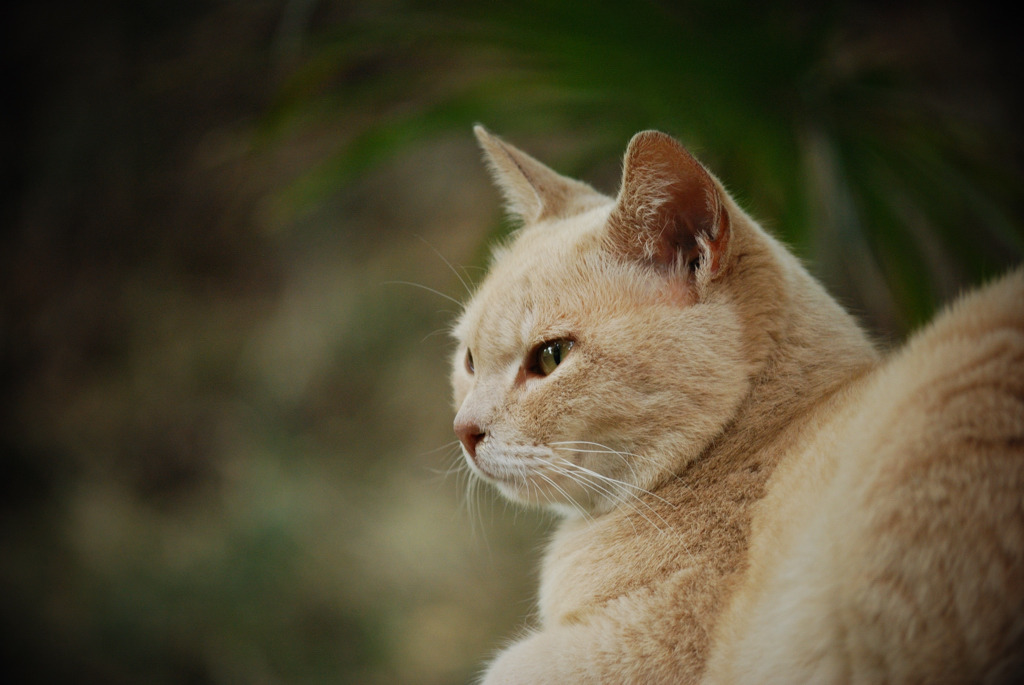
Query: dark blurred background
x=225, y=428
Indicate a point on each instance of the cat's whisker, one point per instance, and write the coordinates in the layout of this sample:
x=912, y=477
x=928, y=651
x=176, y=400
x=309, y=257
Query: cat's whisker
x=469, y=291
x=576, y=505
x=456, y=465
x=541, y=494
x=428, y=289
x=584, y=481
x=454, y=454
x=621, y=454
x=608, y=487
x=469, y=484
x=475, y=493
x=618, y=495
x=436, y=331
x=626, y=492
x=587, y=483
x=623, y=483
x=627, y=488
x=460, y=467
x=446, y=445
x=604, y=450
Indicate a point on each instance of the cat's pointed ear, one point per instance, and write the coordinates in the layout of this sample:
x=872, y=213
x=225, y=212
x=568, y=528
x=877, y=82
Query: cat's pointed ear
x=532, y=191
x=670, y=210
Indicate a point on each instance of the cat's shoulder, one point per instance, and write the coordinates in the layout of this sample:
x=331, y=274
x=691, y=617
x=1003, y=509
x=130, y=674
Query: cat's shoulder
x=978, y=313
x=978, y=337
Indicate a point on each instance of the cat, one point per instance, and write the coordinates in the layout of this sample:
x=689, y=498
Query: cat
x=750, y=491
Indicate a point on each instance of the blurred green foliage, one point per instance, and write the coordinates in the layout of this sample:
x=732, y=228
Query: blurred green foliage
x=880, y=140
x=225, y=419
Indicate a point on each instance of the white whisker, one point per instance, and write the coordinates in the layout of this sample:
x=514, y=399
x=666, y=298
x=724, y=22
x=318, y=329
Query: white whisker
x=576, y=505
x=585, y=481
x=427, y=288
x=621, y=492
x=469, y=291
x=604, y=450
x=436, y=331
x=608, y=450
x=447, y=445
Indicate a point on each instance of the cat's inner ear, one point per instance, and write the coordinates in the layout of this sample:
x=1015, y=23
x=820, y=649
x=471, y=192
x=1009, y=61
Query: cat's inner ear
x=533, y=192
x=669, y=211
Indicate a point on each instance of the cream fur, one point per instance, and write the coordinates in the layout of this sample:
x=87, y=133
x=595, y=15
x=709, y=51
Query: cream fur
x=751, y=492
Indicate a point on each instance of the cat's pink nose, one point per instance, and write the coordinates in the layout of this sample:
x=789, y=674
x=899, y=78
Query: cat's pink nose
x=469, y=435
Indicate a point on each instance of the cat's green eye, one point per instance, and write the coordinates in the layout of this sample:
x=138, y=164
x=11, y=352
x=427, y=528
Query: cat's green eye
x=549, y=355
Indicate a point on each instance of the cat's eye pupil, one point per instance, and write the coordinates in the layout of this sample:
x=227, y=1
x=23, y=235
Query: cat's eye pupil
x=469, y=361
x=551, y=354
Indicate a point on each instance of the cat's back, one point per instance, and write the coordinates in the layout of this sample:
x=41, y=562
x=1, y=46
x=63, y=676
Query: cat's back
x=959, y=383
x=890, y=547
x=981, y=336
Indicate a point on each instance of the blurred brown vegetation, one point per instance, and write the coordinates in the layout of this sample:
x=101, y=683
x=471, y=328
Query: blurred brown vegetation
x=225, y=427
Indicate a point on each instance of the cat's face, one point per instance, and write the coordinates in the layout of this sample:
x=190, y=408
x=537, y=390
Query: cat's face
x=583, y=374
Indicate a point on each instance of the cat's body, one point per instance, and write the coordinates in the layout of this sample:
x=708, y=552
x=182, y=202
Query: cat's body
x=751, y=492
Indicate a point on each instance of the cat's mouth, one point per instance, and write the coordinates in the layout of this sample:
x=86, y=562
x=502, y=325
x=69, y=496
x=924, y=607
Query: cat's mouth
x=476, y=464
x=506, y=468
x=540, y=475
x=497, y=473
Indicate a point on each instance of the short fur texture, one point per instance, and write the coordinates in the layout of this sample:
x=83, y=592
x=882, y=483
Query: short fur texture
x=751, y=492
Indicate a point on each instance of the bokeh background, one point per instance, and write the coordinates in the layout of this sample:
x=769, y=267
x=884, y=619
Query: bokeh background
x=225, y=429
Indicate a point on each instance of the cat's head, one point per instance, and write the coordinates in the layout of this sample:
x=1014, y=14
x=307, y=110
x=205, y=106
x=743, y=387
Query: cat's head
x=604, y=350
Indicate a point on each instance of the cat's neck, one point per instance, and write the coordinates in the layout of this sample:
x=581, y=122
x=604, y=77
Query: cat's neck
x=804, y=345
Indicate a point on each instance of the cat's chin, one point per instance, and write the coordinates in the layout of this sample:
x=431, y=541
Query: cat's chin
x=537, y=487
x=530, y=496
x=518, y=488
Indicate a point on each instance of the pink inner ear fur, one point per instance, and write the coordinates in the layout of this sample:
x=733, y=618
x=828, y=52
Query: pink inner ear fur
x=669, y=207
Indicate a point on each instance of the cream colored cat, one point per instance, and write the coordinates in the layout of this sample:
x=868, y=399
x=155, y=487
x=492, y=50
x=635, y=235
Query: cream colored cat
x=751, y=491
